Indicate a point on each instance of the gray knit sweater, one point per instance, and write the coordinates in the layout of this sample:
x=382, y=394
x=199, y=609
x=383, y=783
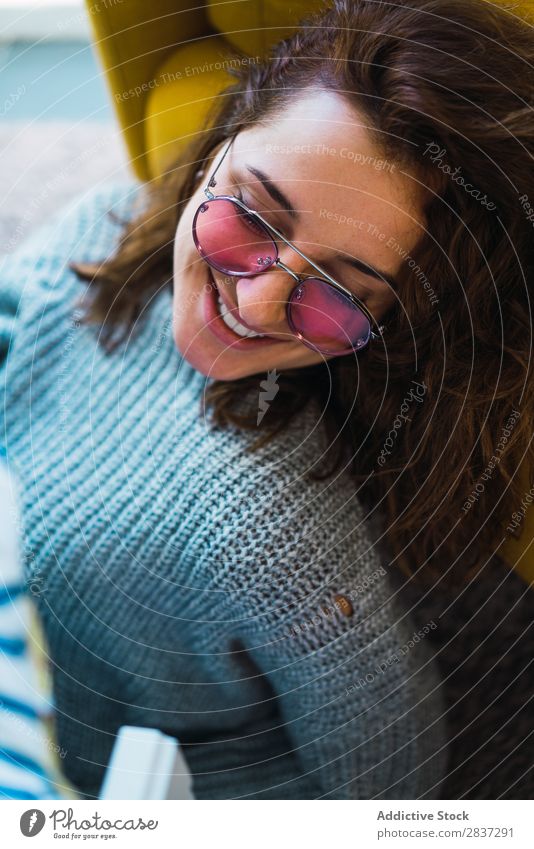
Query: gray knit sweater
x=186, y=584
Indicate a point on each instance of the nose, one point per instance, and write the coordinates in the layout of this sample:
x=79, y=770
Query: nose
x=262, y=299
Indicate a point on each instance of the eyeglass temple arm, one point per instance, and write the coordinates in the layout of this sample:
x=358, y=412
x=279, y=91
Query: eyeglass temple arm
x=212, y=182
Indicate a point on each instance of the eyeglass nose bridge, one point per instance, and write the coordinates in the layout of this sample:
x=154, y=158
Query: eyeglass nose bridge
x=298, y=278
x=269, y=265
x=278, y=262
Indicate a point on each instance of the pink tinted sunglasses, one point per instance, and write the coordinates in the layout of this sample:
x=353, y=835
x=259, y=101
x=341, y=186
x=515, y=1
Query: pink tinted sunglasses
x=238, y=241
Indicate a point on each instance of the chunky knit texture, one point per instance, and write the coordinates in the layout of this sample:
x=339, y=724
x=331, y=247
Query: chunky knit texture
x=185, y=583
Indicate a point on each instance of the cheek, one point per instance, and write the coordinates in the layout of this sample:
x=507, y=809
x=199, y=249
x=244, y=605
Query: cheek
x=184, y=246
x=381, y=303
x=188, y=266
x=183, y=237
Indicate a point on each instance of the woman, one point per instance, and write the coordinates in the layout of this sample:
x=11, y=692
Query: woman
x=212, y=569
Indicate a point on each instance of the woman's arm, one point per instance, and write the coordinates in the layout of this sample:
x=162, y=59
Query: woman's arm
x=310, y=603
x=363, y=721
x=36, y=270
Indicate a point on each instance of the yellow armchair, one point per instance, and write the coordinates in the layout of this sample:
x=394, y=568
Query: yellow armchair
x=165, y=63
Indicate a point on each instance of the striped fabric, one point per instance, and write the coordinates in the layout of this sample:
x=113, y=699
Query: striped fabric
x=26, y=749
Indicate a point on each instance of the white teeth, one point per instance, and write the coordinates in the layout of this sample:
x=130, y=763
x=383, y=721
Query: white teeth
x=233, y=323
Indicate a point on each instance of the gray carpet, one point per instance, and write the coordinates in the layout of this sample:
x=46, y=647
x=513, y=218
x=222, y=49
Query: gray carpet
x=45, y=165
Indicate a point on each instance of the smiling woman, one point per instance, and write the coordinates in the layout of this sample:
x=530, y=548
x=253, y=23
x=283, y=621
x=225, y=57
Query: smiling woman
x=443, y=262
x=266, y=303
x=210, y=533
x=321, y=313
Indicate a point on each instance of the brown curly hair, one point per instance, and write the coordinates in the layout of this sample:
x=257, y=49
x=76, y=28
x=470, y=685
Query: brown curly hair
x=448, y=87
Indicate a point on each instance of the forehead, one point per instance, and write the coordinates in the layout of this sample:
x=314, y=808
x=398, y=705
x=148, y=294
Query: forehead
x=320, y=152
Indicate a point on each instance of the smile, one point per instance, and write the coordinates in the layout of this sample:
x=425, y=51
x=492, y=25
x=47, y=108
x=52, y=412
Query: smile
x=231, y=321
x=222, y=324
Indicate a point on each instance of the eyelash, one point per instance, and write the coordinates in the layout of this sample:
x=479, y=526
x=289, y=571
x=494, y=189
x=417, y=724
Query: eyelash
x=251, y=220
x=239, y=194
x=364, y=297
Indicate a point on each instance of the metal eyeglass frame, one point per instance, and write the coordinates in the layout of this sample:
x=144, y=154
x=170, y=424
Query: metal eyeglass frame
x=278, y=262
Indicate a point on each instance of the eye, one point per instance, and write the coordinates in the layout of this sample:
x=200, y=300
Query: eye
x=249, y=220
x=238, y=193
x=361, y=292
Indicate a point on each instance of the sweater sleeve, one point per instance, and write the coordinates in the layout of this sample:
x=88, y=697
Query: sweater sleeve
x=310, y=603
x=8, y=311
x=81, y=230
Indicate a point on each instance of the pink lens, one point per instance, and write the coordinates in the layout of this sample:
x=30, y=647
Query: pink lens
x=326, y=319
x=231, y=240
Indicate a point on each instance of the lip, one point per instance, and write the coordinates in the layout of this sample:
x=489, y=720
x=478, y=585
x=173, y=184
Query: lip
x=225, y=301
x=220, y=330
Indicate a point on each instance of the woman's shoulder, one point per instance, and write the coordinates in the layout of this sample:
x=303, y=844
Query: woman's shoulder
x=299, y=558
x=80, y=230
x=35, y=279
x=84, y=213
x=271, y=518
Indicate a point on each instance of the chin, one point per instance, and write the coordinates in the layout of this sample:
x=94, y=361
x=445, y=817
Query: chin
x=197, y=355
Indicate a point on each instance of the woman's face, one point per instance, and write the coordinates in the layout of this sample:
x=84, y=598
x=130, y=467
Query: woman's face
x=348, y=203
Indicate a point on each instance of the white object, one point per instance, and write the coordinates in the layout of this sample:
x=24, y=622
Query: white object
x=53, y=20
x=146, y=764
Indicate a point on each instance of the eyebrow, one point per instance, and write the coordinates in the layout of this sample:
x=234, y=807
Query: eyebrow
x=277, y=195
x=280, y=198
x=369, y=269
